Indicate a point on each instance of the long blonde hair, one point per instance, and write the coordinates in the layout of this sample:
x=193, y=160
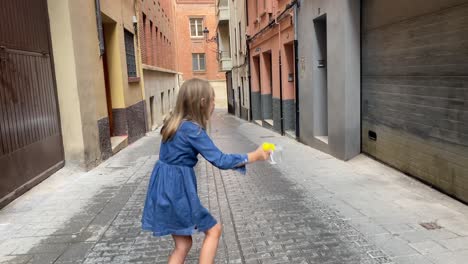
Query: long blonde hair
x=193, y=103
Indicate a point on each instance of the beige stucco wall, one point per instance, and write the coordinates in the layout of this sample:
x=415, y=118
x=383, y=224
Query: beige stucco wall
x=80, y=83
x=114, y=64
x=100, y=92
x=240, y=66
x=220, y=92
x=124, y=94
x=67, y=91
x=157, y=82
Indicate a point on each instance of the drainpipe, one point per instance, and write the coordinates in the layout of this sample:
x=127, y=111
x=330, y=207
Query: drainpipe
x=281, y=77
x=281, y=96
x=249, y=80
x=99, y=27
x=296, y=68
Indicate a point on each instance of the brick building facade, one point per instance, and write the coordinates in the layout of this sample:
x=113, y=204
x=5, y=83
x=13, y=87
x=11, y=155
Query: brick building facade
x=197, y=55
x=272, y=64
x=156, y=28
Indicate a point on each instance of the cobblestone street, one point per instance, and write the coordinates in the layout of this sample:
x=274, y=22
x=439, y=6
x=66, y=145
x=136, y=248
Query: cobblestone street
x=274, y=214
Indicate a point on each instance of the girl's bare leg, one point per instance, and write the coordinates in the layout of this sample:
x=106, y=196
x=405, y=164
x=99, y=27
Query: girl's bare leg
x=210, y=245
x=181, y=249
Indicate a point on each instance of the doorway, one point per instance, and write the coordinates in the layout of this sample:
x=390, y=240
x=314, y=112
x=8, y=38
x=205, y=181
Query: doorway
x=256, y=97
x=289, y=98
x=266, y=95
x=152, y=112
x=321, y=82
x=105, y=65
x=162, y=105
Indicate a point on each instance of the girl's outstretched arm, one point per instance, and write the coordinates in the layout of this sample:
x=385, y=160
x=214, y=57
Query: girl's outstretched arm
x=199, y=140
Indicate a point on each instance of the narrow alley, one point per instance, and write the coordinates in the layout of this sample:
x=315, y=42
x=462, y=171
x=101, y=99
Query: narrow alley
x=310, y=208
x=366, y=101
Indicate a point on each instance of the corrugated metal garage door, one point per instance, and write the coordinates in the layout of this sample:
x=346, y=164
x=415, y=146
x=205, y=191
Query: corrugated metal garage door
x=30, y=137
x=415, y=89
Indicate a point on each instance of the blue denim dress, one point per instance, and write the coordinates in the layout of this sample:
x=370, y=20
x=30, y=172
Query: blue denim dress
x=172, y=205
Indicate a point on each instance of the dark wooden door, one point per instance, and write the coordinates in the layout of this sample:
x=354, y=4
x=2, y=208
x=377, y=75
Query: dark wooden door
x=230, y=94
x=105, y=66
x=30, y=136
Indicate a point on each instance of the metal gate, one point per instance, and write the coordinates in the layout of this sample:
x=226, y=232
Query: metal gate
x=31, y=146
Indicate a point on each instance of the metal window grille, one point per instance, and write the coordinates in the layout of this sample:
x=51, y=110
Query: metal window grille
x=130, y=54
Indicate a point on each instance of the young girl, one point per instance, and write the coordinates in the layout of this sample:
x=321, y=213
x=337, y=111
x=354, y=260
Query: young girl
x=172, y=205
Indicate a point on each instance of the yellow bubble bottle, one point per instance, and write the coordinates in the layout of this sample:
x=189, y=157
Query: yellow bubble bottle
x=276, y=152
x=267, y=146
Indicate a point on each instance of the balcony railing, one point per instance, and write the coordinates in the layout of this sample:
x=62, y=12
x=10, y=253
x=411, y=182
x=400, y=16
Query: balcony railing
x=223, y=13
x=223, y=3
x=223, y=10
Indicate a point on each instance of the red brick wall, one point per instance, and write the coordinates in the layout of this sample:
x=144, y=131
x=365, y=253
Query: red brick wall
x=188, y=45
x=271, y=41
x=157, y=36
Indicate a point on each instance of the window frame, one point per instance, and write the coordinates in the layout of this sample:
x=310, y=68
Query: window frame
x=198, y=35
x=198, y=62
x=132, y=71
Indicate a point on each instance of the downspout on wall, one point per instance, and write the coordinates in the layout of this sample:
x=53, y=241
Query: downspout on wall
x=296, y=68
x=250, y=81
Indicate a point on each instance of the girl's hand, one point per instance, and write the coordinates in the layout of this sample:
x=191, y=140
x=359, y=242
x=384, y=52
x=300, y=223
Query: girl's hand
x=264, y=155
x=259, y=155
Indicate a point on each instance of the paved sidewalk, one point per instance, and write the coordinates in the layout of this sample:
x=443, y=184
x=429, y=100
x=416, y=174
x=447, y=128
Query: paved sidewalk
x=311, y=208
x=384, y=205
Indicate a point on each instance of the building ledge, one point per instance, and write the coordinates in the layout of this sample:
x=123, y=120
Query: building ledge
x=225, y=64
x=199, y=72
x=154, y=68
x=133, y=79
x=223, y=14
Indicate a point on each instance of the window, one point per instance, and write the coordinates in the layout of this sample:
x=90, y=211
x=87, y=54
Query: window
x=152, y=110
x=243, y=97
x=169, y=98
x=151, y=44
x=156, y=36
x=143, y=36
x=174, y=97
x=130, y=54
x=198, y=62
x=247, y=14
x=256, y=9
x=196, y=27
x=240, y=37
x=162, y=103
x=235, y=42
